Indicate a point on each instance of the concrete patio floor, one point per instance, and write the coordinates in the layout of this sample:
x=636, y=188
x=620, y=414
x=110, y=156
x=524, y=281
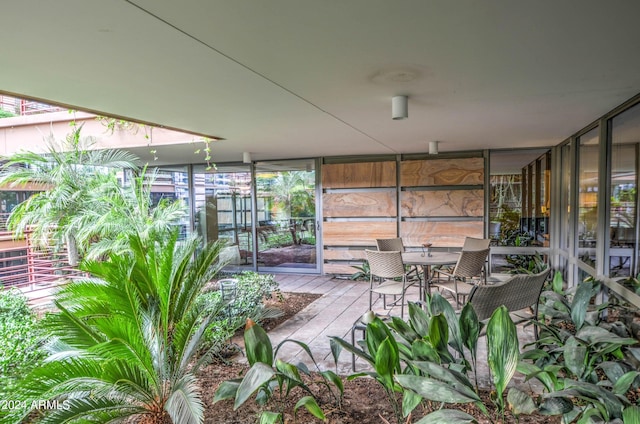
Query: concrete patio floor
x=342, y=302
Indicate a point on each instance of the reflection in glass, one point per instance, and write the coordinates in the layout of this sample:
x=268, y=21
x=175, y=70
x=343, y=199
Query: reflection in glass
x=223, y=211
x=286, y=229
x=625, y=135
x=588, y=196
x=172, y=183
x=520, y=198
x=566, y=152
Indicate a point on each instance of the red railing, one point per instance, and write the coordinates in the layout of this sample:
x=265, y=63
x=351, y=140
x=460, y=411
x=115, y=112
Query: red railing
x=23, y=107
x=35, y=271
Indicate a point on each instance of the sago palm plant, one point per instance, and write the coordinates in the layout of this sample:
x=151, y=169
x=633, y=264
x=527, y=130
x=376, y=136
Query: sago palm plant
x=126, y=341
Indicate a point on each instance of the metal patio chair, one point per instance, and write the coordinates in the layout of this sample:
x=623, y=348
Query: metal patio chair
x=469, y=268
x=520, y=294
x=396, y=245
x=388, y=277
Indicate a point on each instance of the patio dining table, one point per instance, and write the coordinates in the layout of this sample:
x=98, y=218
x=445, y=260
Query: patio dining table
x=426, y=261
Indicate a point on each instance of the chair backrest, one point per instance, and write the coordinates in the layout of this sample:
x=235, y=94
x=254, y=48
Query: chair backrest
x=470, y=263
x=390, y=245
x=472, y=243
x=385, y=264
x=518, y=292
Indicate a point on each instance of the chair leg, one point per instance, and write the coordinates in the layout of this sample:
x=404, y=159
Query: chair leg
x=353, y=343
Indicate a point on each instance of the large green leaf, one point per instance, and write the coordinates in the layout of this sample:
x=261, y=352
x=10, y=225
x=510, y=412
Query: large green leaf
x=502, y=349
x=575, y=356
x=595, y=334
x=457, y=380
x=520, y=402
x=387, y=362
x=288, y=370
x=259, y=374
x=611, y=404
x=532, y=371
x=557, y=282
x=227, y=390
x=581, y=299
x=613, y=370
x=439, y=334
x=410, y=400
x=623, y=384
x=555, y=406
x=311, y=405
x=470, y=328
x=440, y=305
x=376, y=333
x=268, y=417
x=631, y=415
x=422, y=350
x=333, y=378
x=418, y=319
x=257, y=344
x=449, y=416
x=403, y=329
x=434, y=390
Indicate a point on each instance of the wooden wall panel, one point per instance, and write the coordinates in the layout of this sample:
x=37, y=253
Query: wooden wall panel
x=356, y=233
x=442, y=203
x=441, y=234
x=370, y=204
x=434, y=172
x=359, y=175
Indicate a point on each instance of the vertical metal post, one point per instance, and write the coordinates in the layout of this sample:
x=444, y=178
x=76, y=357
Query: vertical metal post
x=604, y=200
x=254, y=216
x=191, y=198
x=574, y=183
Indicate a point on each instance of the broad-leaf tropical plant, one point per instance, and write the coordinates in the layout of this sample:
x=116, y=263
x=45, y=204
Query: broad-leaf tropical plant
x=269, y=376
x=127, y=339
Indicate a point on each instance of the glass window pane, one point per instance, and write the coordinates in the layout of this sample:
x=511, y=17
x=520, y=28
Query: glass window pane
x=285, y=192
x=520, y=198
x=566, y=153
x=223, y=211
x=588, y=196
x=625, y=135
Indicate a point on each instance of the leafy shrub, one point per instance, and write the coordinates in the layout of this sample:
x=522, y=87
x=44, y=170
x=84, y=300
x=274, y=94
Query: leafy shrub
x=251, y=291
x=585, y=364
x=20, y=340
x=6, y=114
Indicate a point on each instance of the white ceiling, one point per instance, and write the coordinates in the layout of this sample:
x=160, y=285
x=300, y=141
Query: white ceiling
x=306, y=78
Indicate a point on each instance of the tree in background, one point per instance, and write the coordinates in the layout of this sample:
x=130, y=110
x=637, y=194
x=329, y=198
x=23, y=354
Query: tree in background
x=69, y=173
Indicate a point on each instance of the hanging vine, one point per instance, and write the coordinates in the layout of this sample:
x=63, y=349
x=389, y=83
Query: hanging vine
x=207, y=153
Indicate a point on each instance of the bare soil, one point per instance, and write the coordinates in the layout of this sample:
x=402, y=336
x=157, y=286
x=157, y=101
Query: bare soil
x=364, y=402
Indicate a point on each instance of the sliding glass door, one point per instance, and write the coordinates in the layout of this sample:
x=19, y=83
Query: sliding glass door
x=286, y=226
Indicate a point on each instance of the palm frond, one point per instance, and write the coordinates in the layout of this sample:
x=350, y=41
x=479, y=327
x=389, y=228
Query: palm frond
x=185, y=405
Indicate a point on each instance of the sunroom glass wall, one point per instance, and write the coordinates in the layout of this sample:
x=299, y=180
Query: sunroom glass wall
x=625, y=136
